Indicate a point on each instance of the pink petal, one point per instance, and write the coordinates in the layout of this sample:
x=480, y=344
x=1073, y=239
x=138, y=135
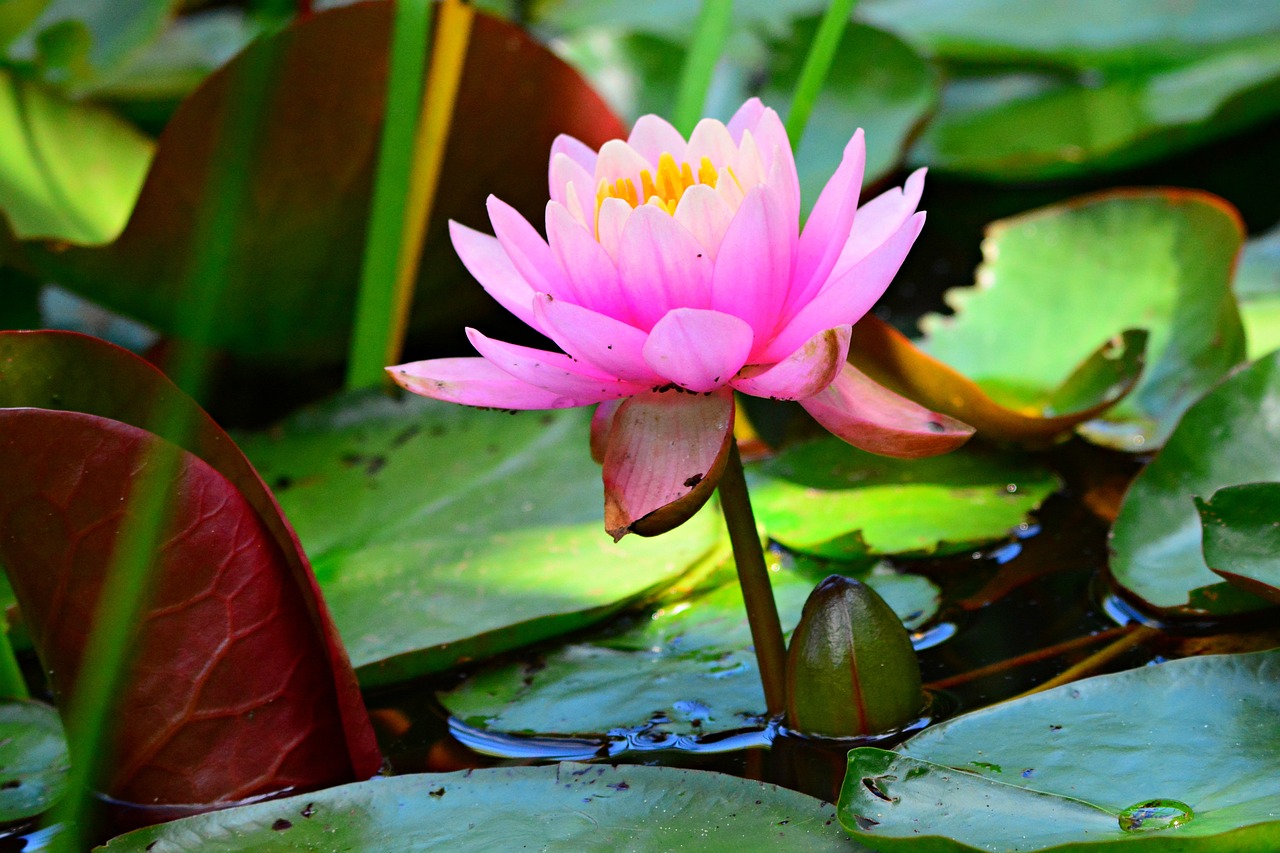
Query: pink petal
x=476, y=382
x=747, y=117
x=619, y=160
x=601, y=427
x=707, y=216
x=804, y=373
x=662, y=266
x=697, y=349
x=828, y=227
x=552, y=371
x=578, y=151
x=775, y=152
x=610, y=220
x=749, y=168
x=873, y=418
x=573, y=186
x=652, y=137
x=711, y=139
x=752, y=272
x=611, y=346
x=847, y=298
x=665, y=454
x=592, y=276
x=528, y=251
x=876, y=220
x=484, y=258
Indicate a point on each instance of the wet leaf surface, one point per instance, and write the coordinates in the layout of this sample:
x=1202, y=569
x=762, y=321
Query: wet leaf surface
x=829, y=499
x=1159, y=260
x=1257, y=287
x=688, y=670
x=1242, y=536
x=1227, y=438
x=442, y=533
x=33, y=759
x=1069, y=769
x=562, y=807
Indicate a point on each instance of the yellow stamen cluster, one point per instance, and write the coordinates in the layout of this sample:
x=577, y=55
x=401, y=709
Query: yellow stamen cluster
x=664, y=189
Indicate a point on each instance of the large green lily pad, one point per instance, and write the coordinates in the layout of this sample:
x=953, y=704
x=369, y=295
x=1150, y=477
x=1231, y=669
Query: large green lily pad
x=1242, y=536
x=1057, y=281
x=441, y=533
x=1067, y=769
x=576, y=807
x=829, y=499
x=1227, y=438
x=33, y=759
x=688, y=670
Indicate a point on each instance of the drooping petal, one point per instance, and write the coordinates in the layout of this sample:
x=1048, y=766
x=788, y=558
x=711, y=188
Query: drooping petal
x=611, y=346
x=876, y=220
x=610, y=220
x=487, y=261
x=847, y=298
x=665, y=455
x=653, y=136
x=601, y=427
x=575, y=188
x=752, y=271
x=528, y=251
x=805, y=372
x=827, y=229
x=476, y=382
x=873, y=418
x=552, y=371
x=591, y=272
x=698, y=349
x=662, y=266
x=576, y=150
x=706, y=214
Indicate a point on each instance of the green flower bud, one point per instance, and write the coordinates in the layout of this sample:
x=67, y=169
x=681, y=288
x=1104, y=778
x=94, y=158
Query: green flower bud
x=851, y=669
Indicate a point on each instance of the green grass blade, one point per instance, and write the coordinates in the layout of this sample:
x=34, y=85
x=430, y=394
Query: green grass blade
x=710, y=34
x=813, y=74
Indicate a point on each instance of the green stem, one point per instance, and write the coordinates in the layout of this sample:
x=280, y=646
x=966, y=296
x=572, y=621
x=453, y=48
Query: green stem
x=12, y=683
x=753, y=576
x=710, y=33
x=816, y=67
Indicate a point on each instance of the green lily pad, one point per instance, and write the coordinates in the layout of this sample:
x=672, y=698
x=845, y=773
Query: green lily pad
x=1242, y=536
x=829, y=499
x=1159, y=260
x=441, y=533
x=1229, y=437
x=689, y=670
x=51, y=184
x=33, y=759
x=563, y=807
x=1257, y=287
x=1183, y=754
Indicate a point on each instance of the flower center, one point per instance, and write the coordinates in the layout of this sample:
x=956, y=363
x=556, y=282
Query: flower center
x=663, y=189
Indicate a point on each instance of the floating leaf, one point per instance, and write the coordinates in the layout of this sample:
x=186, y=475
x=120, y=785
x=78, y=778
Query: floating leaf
x=442, y=533
x=1228, y=437
x=1181, y=754
x=689, y=670
x=1242, y=536
x=562, y=807
x=1159, y=260
x=829, y=499
x=294, y=256
x=33, y=759
x=1257, y=287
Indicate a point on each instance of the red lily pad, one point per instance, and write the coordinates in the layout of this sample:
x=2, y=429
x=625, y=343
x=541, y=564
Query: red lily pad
x=236, y=624
x=297, y=246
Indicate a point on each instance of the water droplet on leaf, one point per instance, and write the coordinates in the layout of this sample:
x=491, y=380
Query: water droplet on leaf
x=1154, y=815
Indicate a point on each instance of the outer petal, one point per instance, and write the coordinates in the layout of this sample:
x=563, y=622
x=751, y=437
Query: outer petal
x=876, y=221
x=775, y=152
x=847, y=298
x=706, y=214
x=807, y=371
x=575, y=188
x=528, y=251
x=485, y=259
x=576, y=150
x=665, y=454
x=551, y=371
x=662, y=265
x=873, y=418
x=753, y=268
x=652, y=137
x=697, y=349
x=828, y=227
x=613, y=347
x=601, y=427
x=476, y=382
x=746, y=117
x=593, y=278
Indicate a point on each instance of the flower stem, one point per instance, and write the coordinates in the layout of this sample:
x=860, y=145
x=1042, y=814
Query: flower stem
x=813, y=74
x=709, y=35
x=753, y=575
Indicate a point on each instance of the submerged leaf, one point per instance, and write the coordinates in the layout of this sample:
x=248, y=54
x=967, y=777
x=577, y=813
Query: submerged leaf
x=33, y=759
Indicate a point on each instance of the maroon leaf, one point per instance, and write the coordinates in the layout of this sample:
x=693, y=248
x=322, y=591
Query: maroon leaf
x=105, y=384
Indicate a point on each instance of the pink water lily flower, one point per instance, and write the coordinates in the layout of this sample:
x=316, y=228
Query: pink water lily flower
x=675, y=272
